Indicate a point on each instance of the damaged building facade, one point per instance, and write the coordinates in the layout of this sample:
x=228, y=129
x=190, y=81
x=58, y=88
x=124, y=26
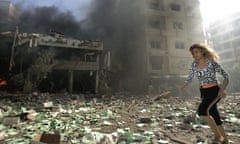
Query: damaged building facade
x=148, y=41
x=59, y=59
x=8, y=20
x=51, y=62
x=47, y=62
x=156, y=38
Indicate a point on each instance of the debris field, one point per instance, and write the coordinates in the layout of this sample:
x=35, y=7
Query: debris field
x=101, y=119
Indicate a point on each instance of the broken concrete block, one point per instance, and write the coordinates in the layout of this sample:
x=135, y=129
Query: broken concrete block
x=9, y=121
x=48, y=104
x=1, y=113
x=31, y=117
x=50, y=138
x=37, y=138
x=163, y=141
x=35, y=93
x=163, y=95
x=145, y=120
x=3, y=135
x=107, y=123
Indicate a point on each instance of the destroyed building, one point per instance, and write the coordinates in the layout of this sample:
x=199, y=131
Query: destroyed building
x=55, y=60
x=47, y=62
x=58, y=59
x=8, y=20
x=148, y=39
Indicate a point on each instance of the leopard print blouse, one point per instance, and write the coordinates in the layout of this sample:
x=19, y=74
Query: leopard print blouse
x=207, y=75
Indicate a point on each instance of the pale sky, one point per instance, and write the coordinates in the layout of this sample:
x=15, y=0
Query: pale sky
x=215, y=9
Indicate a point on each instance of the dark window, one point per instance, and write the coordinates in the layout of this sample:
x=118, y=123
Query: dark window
x=155, y=44
x=156, y=4
x=156, y=62
x=175, y=7
x=91, y=58
x=178, y=25
x=154, y=24
x=179, y=45
x=190, y=11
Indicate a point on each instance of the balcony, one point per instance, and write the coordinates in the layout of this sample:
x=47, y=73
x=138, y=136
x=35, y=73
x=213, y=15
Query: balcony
x=76, y=65
x=70, y=43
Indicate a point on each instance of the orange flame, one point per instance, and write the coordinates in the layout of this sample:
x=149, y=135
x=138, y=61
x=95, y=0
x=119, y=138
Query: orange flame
x=3, y=82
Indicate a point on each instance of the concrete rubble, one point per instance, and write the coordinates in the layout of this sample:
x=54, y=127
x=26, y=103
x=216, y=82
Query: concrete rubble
x=120, y=118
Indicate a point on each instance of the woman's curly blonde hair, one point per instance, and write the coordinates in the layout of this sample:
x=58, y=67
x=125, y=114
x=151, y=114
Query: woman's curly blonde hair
x=207, y=51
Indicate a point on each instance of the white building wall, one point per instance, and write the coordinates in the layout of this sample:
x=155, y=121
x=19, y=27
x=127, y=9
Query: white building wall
x=175, y=34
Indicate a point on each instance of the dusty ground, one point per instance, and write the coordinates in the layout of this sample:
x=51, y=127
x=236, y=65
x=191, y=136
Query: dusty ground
x=121, y=118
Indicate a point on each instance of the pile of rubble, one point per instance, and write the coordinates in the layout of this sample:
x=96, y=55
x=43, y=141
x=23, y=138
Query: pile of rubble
x=121, y=118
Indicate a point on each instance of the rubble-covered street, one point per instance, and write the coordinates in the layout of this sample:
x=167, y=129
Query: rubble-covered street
x=70, y=71
x=121, y=118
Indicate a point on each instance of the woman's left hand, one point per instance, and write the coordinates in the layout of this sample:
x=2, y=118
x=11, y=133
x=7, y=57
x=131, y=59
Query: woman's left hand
x=222, y=93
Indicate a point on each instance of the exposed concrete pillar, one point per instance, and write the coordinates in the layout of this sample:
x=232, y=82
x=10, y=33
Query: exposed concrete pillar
x=97, y=81
x=97, y=75
x=70, y=85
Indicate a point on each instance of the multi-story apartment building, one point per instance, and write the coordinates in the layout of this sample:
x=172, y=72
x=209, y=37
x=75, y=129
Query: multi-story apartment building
x=170, y=27
x=163, y=30
x=224, y=37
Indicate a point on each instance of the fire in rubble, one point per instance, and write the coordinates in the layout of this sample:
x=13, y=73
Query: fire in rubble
x=3, y=82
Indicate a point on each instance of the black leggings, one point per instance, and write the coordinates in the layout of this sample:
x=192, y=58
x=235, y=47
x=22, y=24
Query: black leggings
x=207, y=106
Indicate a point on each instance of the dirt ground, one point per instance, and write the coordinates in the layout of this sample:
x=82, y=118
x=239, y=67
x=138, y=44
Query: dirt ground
x=120, y=118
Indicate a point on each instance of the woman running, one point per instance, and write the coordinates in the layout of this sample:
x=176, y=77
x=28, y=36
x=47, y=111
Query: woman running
x=205, y=67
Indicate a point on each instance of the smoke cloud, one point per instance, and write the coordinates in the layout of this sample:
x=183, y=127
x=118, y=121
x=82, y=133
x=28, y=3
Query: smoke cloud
x=78, y=8
x=117, y=23
x=45, y=19
x=120, y=25
x=102, y=19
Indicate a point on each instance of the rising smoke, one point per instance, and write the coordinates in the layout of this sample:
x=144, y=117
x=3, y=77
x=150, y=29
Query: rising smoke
x=119, y=23
x=46, y=19
x=102, y=18
x=101, y=21
x=116, y=22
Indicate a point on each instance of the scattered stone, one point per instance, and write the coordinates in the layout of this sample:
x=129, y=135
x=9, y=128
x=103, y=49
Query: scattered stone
x=145, y=120
x=1, y=113
x=50, y=138
x=47, y=138
x=137, y=120
x=35, y=93
x=163, y=95
x=3, y=135
x=10, y=121
x=48, y=104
